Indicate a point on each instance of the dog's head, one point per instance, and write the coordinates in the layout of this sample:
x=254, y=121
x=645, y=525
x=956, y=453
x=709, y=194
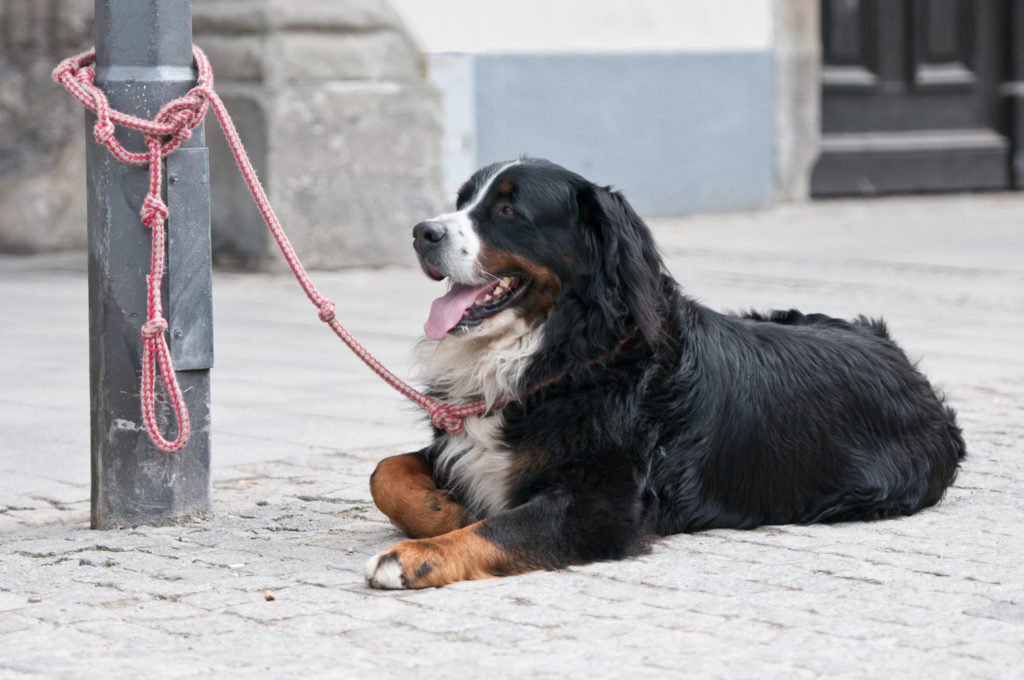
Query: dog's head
x=533, y=241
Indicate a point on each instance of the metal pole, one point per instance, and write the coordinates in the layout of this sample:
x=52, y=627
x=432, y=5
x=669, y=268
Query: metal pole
x=144, y=59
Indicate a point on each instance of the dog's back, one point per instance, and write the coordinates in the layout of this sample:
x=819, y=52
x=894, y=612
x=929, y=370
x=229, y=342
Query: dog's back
x=801, y=418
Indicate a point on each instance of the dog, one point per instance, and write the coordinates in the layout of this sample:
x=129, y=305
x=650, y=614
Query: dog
x=624, y=410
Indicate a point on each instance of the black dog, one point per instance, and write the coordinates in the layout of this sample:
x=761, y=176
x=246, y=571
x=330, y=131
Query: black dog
x=625, y=409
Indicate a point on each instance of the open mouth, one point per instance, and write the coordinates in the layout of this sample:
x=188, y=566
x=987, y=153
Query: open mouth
x=465, y=305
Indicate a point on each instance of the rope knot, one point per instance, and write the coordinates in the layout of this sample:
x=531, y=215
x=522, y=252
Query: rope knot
x=154, y=328
x=154, y=211
x=103, y=131
x=441, y=416
x=181, y=116
x=182, y=134
x=183, y=120
x=326, y=311
x=200, y=94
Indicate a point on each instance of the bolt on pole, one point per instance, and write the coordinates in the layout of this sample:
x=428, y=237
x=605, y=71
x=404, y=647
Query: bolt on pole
x=143, y=60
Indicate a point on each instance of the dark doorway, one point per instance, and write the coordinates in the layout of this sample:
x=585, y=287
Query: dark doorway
x=915, y=96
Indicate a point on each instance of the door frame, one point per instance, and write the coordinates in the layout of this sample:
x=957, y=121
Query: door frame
x=1013, y=89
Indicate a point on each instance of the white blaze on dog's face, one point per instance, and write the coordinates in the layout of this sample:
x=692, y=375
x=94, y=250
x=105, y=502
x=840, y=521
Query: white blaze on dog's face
x=451, y=239
x=497, y=252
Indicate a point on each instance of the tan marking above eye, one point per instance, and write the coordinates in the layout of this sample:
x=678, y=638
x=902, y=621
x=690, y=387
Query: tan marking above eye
x=506, y=187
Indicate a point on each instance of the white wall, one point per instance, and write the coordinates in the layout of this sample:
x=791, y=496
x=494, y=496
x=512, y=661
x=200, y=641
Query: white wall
x=600, y=26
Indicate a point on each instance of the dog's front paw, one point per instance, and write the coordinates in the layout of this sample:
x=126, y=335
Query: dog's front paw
x=406, y=565
x=384, y=571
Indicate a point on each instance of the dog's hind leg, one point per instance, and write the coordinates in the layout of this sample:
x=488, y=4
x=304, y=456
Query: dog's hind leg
x=403, y=488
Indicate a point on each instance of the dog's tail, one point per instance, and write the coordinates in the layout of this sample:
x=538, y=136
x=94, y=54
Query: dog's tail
x=956, y=435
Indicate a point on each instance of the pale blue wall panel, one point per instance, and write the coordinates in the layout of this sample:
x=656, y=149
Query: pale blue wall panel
x=678, y=133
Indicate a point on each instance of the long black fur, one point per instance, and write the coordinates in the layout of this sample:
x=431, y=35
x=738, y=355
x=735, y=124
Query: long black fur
x=671, y=417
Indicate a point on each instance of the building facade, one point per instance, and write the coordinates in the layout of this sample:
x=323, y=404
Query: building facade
x=384, y=107
x=712, y=105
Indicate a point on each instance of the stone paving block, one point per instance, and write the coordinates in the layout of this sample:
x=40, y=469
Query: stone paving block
x=73, y=614
x=318, y=622
x=12, y=601
x=503, y=636
x=528, y=613
x=264, y=612
x=442, y=623
x=394, y=637
x=208, y=625
x=13, y=621
x=375, y=609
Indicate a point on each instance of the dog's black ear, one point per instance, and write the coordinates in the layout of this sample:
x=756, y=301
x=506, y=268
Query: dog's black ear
x=629, y=276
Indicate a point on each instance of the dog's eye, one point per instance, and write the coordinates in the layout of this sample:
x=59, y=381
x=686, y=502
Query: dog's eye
x=507, y=210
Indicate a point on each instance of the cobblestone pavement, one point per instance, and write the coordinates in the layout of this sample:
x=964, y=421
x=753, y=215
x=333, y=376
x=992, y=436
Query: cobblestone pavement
x=299, y=424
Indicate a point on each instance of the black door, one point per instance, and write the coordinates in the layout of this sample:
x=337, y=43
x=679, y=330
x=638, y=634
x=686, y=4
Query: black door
x=912, y=96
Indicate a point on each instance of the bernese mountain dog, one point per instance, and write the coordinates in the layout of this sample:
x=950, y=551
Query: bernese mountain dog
x=624, y=410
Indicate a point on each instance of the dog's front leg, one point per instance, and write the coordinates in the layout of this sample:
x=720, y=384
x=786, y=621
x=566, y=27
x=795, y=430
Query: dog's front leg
x=403, y=488
x=550, y=531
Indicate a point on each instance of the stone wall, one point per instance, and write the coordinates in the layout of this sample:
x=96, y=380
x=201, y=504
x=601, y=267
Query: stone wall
x=329, y=96
x=332, y=101
x=42, y=153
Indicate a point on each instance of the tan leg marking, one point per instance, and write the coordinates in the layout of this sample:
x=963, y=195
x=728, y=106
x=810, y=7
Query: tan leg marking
x=462, y=555
x=403, y=488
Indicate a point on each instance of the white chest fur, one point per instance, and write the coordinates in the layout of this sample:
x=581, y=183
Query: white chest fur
x=477, y=464
x=486, y=363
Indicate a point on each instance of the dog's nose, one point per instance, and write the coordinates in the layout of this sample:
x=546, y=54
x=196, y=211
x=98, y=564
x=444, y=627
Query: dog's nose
x=427, y=235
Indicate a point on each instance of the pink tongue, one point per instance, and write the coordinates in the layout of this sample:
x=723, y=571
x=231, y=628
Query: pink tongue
x=447, y=311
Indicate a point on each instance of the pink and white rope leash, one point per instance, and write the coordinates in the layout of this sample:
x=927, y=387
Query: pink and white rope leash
x=172, y=126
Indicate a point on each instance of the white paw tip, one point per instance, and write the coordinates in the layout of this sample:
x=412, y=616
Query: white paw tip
x=384, y=571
